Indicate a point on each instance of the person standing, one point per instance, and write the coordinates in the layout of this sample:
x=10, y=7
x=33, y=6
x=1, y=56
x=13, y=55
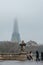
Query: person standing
x=37, y=56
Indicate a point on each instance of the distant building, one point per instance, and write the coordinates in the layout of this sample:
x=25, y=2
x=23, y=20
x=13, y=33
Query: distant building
x=32, y=43
x=15, y=35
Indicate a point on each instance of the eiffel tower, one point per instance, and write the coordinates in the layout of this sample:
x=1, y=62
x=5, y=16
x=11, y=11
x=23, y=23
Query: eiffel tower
x=15, y=35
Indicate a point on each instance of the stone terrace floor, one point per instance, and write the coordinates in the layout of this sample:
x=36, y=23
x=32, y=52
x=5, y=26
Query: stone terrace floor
x=21, y=62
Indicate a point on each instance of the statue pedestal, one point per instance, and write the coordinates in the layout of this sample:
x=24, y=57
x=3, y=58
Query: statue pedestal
x=23, y=53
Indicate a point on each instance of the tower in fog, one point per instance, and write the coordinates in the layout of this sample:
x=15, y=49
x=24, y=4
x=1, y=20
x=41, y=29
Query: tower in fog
x=15, y=35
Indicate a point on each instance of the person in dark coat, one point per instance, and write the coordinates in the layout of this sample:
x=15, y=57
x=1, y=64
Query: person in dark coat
x=37, y=56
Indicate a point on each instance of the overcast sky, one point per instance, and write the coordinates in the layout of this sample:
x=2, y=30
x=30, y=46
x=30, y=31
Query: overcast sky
x=29, y=14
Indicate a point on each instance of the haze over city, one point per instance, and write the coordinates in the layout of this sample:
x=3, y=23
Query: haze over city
x=29, y=14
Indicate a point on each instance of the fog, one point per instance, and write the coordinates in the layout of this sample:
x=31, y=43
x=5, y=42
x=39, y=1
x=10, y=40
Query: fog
x=29, y=14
